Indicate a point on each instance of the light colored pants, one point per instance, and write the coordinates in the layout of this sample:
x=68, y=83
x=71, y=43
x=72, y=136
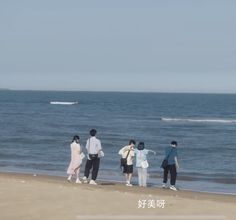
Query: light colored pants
x=142, y=176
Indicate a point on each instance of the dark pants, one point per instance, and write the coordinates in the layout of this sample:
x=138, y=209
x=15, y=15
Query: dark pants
x=173, y=174
x=94, y=163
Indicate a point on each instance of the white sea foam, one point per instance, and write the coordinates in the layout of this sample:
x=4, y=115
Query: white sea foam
x=63, y=103
x=199, y=120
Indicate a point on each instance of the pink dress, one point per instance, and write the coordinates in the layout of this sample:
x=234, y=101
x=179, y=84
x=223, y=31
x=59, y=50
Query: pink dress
x=76, y=159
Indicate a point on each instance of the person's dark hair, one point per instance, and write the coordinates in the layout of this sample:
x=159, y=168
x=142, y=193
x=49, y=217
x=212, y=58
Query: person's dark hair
x=132, y=142
x=75, y=138
x=174, y=143
x=93, y=132
x=141, y=146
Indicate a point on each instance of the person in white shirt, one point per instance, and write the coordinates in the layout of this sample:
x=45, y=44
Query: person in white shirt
x=94, y=150
x=127, y=153
x=142, y=163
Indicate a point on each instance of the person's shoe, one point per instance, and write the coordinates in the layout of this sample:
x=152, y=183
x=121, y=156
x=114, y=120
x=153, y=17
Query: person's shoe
x=164, y=186
x=78, y=181
x=92, y=182
x=85, y=179
x=173, y=188
x=69, y=179
x=129, y=184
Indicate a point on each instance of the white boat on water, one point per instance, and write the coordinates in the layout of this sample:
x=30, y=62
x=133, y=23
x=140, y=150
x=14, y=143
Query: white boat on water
x=63, y=103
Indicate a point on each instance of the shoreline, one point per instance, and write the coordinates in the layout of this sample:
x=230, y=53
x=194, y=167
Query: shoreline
x=119, y=184
x=49, y=197
x=113, y=181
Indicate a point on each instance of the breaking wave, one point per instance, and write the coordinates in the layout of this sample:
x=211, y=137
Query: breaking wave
x=199, y=120
x=63, y=103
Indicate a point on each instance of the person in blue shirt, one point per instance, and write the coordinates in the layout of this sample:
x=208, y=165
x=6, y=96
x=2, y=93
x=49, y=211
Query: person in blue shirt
x=172, y=155
x=141, y=163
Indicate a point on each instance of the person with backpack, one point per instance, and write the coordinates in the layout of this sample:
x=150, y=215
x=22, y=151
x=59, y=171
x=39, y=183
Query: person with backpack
x=170, y=165
x=127, y=156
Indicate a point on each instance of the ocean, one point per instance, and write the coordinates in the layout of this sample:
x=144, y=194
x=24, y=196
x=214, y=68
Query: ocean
x=36, y=128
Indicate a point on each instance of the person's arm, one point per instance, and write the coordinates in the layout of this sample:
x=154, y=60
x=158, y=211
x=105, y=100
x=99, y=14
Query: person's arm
x=99, y=146
x=127, y=148
x=100, y=150
x=121, y=151
x=176, y=163
x=132, y=154
x=80, y=149
x=152, y=151
x=87, y=145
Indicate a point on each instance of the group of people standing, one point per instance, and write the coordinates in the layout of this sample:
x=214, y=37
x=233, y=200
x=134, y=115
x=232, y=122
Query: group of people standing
x=128, y=154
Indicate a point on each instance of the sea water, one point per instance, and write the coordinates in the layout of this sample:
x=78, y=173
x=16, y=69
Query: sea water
x=36, y=128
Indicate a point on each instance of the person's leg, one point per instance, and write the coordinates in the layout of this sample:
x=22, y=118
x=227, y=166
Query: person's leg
x=70, y=172
x=140, y=176
x=127, y=177
x=130, y=173
x=144, y=177
x=142, y=173
x=96, y=163
x=69, y=177
x=130, y=177
x=77, y=171
x=125, y=173
x=88, y=167
x=173, y=175
x=165, y=176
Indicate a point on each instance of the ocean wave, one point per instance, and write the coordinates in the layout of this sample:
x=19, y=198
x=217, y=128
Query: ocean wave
x=199, y=120
x=63, y=103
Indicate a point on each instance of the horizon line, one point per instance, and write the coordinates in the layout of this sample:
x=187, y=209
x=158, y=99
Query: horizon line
x=124, y=91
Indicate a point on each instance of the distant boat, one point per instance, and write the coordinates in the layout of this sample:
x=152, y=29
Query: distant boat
x=63, y=103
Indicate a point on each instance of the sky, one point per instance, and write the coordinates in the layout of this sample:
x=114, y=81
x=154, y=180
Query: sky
x=125, y=45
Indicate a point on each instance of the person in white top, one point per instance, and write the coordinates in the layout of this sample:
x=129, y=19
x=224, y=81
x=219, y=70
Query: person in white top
x=76, y=159
x=142, y=163
x=127, y=154
x=94, y=150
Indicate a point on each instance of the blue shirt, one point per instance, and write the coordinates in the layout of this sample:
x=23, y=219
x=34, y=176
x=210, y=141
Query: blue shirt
x=173, y=153
x=141, y=155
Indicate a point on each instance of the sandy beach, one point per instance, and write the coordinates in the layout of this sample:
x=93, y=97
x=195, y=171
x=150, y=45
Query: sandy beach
x=43, y=197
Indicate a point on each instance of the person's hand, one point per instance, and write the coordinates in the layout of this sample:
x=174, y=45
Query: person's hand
x=177, y=168
x=152, y=151
x=102, y=154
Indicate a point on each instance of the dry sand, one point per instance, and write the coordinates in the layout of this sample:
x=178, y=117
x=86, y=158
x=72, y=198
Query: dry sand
x=28, y=197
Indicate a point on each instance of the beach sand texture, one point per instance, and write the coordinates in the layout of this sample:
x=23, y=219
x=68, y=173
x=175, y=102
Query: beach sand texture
x=28, y=197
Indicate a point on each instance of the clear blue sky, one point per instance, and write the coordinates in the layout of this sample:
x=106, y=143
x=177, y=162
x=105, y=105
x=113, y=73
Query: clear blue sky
x=119, y=45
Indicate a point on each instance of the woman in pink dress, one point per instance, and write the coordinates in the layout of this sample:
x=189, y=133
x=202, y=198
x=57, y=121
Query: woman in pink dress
x=76, y=159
